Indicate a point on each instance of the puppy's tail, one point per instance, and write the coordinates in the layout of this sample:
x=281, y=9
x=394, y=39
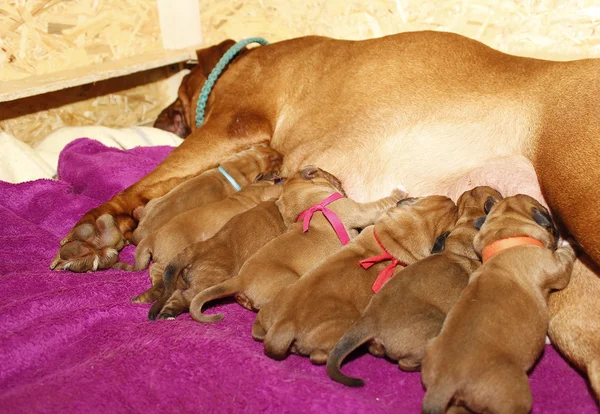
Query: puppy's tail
x=358, y=334
x=278, y=340
x=227, y=288
x=436, y=400
x=143, y=254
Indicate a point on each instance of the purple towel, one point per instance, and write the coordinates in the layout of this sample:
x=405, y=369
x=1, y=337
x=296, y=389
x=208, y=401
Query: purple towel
x=74, y=343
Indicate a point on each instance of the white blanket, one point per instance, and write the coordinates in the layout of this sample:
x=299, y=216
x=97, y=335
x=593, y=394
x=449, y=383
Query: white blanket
x=19, y=162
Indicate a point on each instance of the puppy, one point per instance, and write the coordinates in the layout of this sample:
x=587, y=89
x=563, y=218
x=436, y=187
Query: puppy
x=412, y=306
x=206, y=263
x=496, y=331
x=310, y=316
x=210, y=186
x=193, y=226
x=288, y=257
x=575, y=319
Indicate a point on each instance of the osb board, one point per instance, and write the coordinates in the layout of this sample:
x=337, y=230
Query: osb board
x=130, y=100
x=45, y=36
x=540, y=28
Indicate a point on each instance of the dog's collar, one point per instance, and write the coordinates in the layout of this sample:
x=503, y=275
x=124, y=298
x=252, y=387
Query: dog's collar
x=230, y=179
x=503, y=244
x=333, y=219
x=216, y=72
x=385, y=274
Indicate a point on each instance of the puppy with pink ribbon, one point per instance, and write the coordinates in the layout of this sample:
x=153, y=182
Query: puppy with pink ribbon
x=320, y=220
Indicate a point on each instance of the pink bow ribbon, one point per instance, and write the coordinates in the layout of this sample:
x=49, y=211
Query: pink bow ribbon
x=331, y=217
x=385, y=274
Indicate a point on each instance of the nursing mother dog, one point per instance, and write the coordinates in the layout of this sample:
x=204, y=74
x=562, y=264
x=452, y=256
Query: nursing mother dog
x=419, y=109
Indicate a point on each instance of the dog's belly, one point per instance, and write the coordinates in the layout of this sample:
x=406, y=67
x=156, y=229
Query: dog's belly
x=426, y=158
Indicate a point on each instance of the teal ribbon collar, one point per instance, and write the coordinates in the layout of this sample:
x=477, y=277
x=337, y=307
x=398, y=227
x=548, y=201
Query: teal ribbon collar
x=216, y=72
x=230, y=179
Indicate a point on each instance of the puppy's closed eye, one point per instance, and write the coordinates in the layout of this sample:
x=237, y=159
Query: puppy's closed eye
x=489, y=203
x=542, y=218
x=440, y=243
x=406, y=201
x=478, y=223
x=309, y=172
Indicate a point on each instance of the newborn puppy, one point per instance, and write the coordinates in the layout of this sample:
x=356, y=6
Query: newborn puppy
x=310, y=316
x=193, y=226
x=410, y=309
x=288, y=257
x=213, y=185
x=575, y=319
x=209, y=262
x=496, y=331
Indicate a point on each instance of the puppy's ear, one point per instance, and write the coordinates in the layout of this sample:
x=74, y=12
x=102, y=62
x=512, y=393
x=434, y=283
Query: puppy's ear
x=478, y=223
x=489, y=203
x=406, y=201
x=440, y=243
x=309, y=172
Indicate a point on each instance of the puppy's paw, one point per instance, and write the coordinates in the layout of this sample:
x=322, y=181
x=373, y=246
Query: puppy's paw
x=319, y=357
x=150, y=295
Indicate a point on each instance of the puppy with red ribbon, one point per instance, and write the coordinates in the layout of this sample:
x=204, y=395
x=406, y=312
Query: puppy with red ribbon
x=411, y=307
x=495, y=332
x=310, y=316
x=320, y=220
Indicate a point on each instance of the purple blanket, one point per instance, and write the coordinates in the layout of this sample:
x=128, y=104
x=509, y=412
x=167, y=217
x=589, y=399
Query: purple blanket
x=74, y=343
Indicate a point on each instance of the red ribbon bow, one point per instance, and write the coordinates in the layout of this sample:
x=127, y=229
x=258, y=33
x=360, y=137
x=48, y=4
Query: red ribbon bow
x=333, y=219
x=386, y=273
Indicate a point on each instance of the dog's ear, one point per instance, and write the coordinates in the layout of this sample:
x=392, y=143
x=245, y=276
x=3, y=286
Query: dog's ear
x=478, y=223
x=209, y=57
x=406, y=201
x=309, y=172
x=173, y=120
x=440, y=243
x=489, y=203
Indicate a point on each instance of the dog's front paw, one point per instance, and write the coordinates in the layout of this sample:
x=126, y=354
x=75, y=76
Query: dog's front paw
x=78, y=256
x=90, y=246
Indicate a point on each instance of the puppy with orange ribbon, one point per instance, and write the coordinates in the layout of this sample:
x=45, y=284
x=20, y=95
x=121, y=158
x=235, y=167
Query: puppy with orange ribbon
x=310, y=316
x=320, y=220
x=412, y=306
x=496, y=331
